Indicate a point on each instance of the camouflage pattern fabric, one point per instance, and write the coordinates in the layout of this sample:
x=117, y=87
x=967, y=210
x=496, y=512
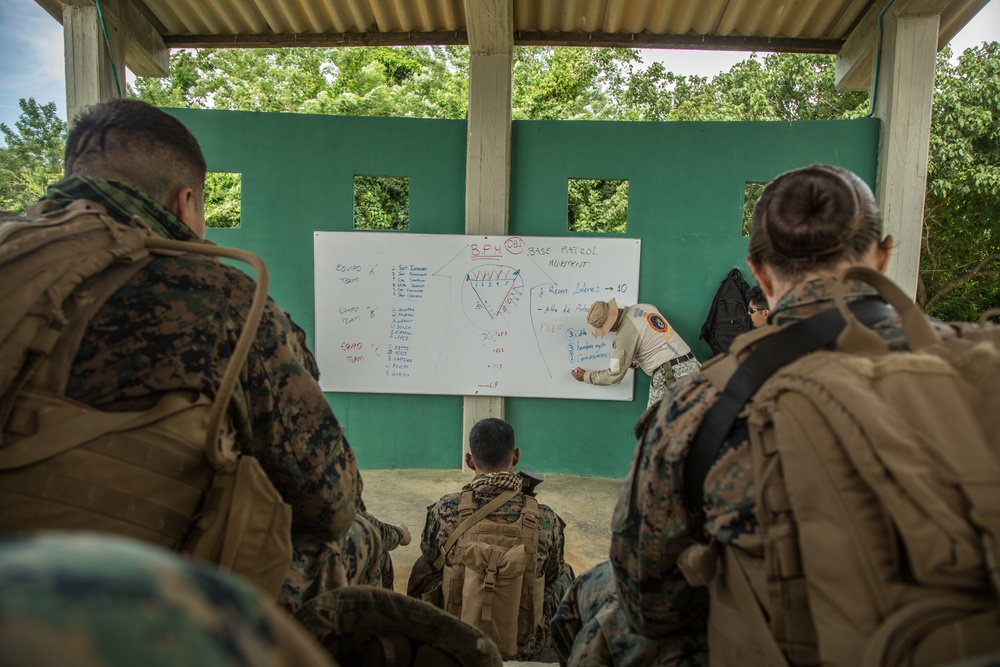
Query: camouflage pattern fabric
x=443, y=518
x=650, y=523
x=173, y=327
x=590, y=629
x=389, y=537
x=347, y=619
x=97, y=600
x=664, y=377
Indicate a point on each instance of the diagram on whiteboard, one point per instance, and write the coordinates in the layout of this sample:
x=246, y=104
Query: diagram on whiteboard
x=466, y=315
x=491, y=294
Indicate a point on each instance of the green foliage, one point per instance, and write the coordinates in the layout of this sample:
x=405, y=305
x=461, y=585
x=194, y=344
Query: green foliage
x=960, y=261
x=33, y=156
x=381, y=202
x=223, y=199
x=423, y=82
x=785, y=87
x=567, y=83
x=960, y=252
x=598, y=205
x=751, y=193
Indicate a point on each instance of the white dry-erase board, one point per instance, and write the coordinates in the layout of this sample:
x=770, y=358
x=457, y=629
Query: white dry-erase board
x=467, y=315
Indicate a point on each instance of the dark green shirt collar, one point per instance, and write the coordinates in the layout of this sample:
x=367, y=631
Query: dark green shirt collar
x=123, y=201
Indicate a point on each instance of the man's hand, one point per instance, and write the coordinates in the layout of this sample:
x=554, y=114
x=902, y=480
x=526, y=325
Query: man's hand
x=406, y=534
x=577, y=374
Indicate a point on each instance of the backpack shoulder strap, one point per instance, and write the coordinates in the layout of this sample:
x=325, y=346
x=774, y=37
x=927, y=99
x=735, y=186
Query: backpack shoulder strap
x=776, y=351
x=218, y=449
x=472, y=520
x=530, y=529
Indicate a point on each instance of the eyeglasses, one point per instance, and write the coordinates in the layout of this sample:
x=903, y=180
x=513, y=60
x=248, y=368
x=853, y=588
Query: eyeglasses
x=753, y=310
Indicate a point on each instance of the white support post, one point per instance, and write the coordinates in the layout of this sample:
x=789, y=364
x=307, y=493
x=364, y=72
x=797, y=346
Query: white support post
x=90, y=79
x=487, y=172
x=904, y=95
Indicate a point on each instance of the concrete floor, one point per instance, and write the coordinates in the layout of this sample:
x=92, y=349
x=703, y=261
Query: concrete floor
x=584, y=503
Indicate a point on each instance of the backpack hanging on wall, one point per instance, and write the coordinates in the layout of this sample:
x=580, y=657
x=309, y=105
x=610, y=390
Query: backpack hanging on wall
x=727, y=316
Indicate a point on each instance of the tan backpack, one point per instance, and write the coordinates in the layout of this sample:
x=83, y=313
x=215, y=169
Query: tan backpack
x=169, y=475
x=877, y=489
x=493, y=586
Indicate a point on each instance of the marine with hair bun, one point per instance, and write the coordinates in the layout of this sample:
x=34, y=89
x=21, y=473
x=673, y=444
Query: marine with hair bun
x=638, y=607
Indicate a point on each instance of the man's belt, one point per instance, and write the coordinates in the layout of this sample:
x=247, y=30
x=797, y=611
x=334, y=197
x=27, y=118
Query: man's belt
x=676, y=360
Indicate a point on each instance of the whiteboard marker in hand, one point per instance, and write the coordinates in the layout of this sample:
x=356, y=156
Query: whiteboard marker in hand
x=578, y=373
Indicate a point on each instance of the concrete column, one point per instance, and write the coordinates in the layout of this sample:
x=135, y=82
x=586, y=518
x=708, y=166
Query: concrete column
x=487, y=172
x=904, y=96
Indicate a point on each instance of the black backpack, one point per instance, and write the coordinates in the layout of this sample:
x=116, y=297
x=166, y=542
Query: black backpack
x=727, y=316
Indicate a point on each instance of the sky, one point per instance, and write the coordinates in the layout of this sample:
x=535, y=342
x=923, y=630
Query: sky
x=31, y=55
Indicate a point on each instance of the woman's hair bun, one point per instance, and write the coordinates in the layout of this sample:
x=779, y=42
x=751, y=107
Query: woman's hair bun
x=812, y=213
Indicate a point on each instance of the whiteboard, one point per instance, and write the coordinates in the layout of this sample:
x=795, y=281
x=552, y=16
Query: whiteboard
x=467, y=315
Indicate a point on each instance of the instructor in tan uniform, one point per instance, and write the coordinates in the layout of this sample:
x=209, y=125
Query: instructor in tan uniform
x=643, y=335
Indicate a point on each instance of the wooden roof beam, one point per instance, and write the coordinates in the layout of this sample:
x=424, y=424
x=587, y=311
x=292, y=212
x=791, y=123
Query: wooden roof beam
x=521, y=38
x=856, y=59
x=145, y=52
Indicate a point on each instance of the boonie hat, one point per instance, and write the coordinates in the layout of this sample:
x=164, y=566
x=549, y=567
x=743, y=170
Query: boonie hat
x=602, y=316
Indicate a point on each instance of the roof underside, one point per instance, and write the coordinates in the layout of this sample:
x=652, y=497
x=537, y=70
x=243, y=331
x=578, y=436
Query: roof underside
x=805, y=26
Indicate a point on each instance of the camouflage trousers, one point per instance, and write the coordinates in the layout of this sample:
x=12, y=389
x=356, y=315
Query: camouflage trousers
x=424, y=579
x=319, y=566
x=664, y=377
x=590, y=628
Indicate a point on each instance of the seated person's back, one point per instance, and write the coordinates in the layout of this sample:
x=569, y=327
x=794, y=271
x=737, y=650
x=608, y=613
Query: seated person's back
x=493, y=457
x=173, y=326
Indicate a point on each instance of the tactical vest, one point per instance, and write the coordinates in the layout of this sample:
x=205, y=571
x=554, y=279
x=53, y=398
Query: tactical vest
x=170, y=475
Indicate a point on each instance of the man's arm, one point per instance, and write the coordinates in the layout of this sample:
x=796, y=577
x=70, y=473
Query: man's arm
x=623, y=350
x=295, y=434
x=430, y=546
x=555, y=584
x=650, y=523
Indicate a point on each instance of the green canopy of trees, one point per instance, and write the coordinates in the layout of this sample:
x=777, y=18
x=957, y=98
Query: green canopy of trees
x=960, y=260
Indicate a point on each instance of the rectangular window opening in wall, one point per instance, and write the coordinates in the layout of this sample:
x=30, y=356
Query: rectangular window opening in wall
x=598, y=205
x=223, y=200
x=381, y=202
x=751, y=193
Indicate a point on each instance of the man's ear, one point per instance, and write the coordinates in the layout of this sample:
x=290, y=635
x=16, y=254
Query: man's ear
x=516, y=457
x=185, y=205
x=469, y=461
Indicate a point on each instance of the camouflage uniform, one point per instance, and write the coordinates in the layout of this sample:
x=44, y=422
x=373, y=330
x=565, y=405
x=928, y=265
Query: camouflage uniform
x=173, y=327
x=98, y=600
x=650, y=523
x=443, y=518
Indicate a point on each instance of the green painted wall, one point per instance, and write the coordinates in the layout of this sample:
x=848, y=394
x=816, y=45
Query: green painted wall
x=686, y=183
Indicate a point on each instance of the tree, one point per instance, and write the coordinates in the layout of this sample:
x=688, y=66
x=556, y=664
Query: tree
x=33, y=156
x=960, y=252
x=423, y=82
x=960, y=266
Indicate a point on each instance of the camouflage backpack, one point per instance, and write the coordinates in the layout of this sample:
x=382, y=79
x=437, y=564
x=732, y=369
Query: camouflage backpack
x=877, y=490
x=169, y=475
x=493, y=586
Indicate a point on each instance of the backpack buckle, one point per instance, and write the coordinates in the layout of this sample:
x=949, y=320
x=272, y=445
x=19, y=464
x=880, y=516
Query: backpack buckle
x=490, y=580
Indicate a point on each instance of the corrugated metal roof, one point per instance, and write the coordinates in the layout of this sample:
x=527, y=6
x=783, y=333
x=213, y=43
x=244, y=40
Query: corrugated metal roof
x=805, y=26
x=813, y=25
